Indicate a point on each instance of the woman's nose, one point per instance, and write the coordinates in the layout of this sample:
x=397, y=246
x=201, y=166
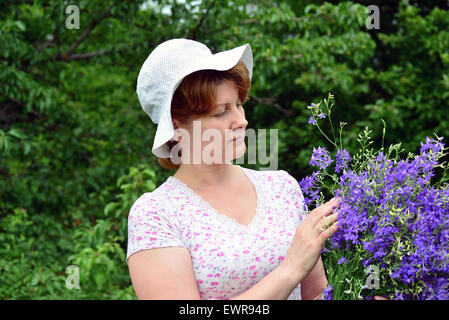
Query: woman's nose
x=239, y=119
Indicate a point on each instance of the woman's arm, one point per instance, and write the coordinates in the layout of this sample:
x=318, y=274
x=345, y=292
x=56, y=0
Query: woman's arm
x=167, y=273
x=280, y=283
x=312, y=286
x=163, y=273
x=277, y=285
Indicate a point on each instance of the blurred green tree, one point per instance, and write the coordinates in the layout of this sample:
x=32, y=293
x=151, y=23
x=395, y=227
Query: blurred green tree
x=75, y=145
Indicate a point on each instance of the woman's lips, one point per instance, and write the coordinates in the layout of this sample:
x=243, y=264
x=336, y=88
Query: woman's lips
x=239, y=138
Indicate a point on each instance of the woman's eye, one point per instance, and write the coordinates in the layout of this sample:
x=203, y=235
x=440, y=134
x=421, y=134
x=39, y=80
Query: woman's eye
x=220, y=114
x=239, y=105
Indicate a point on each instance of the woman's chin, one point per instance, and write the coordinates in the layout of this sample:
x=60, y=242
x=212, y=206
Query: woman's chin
x=238, y=151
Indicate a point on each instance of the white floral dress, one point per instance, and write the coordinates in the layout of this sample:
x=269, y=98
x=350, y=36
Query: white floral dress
x=228, y=258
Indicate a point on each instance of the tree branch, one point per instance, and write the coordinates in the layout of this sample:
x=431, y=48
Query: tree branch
x=23, y=105
x=5, y=173
x=250, y=21
x=86, y=55
x=84, y=35
x=271, y=102
x=194, y=31
x=16, y=101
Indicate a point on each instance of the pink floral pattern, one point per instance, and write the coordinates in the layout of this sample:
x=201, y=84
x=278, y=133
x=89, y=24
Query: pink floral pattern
x=228, y=257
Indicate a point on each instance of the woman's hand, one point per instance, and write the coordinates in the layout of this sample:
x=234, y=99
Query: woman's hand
x=308, y=241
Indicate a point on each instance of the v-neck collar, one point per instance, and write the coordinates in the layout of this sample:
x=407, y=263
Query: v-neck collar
x=221, y=216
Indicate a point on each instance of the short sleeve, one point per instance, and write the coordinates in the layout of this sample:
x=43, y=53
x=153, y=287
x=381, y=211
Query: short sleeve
x=295, y=194
x=150, y=226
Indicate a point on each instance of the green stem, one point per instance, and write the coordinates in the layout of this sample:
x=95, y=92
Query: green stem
x=341, y=142
x=333, y=143
x=383, y=133
x=330, y=121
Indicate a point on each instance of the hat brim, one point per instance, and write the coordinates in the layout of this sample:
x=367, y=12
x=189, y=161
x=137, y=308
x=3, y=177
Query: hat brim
x=220, y=61
x=225, y=60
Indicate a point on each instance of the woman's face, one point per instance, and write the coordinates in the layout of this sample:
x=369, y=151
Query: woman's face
x=211, y=137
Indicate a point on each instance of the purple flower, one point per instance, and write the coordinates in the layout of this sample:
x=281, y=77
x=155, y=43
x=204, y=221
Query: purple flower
x=322, y=116
x=328, y=293
x=431, y=146
x=394, y=216
x=312, y=120
x=342, y=260
x=320, y=158
x=309, y=189
x=342, y=159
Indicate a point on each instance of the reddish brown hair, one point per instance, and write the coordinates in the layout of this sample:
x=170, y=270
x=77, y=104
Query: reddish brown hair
x=196, y=97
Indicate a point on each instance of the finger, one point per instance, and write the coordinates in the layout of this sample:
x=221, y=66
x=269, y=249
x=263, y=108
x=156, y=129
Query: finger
x=333, y=203
x=324, y=210
x=326, y=234
x=326, y=222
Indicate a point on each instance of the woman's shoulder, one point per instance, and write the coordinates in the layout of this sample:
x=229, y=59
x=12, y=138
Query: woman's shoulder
x=279, y=176
x=147, y=201
x=154, y=200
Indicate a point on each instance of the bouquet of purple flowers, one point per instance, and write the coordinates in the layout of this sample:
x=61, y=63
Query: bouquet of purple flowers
x=393, y=236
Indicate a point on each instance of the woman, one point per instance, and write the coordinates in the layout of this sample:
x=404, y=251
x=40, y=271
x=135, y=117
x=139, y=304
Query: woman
x=215, y=230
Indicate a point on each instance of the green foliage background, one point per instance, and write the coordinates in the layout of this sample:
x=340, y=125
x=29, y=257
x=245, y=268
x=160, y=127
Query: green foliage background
x=75, y=145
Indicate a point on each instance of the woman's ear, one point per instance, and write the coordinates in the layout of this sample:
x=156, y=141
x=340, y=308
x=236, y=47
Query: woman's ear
x=177, y=136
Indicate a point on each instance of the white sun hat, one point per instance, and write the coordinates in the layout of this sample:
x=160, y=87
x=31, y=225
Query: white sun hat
x=163, y=71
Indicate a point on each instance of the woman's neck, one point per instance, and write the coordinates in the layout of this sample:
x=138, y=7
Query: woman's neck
x=199, y=176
